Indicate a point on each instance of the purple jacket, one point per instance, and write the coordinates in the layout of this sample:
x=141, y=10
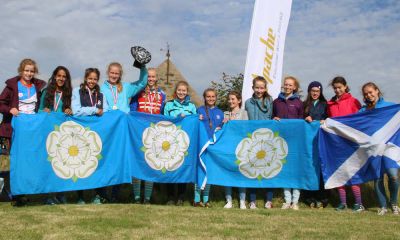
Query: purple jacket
x=288, y=108
x=9, y=99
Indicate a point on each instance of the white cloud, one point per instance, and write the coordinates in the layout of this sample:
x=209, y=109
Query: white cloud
x=357, y=39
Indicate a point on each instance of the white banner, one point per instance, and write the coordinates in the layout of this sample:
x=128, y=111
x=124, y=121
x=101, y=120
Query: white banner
x=266, y=45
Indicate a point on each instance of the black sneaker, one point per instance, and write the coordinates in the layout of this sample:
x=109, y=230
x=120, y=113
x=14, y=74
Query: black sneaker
x=20, y=202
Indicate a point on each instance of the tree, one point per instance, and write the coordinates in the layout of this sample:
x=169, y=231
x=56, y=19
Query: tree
x=229, y=83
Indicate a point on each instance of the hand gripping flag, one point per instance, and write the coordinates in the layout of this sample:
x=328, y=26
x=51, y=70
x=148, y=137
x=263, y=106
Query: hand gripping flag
x=358, y=148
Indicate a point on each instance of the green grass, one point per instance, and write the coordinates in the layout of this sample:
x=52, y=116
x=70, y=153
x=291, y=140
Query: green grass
x=157, y=221
x=131, y=221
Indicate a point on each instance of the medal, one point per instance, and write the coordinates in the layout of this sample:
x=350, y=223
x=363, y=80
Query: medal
x=115, y=96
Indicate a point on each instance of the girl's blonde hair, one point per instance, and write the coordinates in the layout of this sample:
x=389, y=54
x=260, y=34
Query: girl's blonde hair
x=118, y=65
x=296, y=83
x=147, y=88
x=27, y=61
x=181, y=83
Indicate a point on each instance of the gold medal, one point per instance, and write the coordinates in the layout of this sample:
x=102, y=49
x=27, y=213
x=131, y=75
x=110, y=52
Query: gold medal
x=114, y=107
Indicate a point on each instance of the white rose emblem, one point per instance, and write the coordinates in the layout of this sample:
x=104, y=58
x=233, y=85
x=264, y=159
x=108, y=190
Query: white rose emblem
x=73, y=150
x=165, y=146
x=262, y=154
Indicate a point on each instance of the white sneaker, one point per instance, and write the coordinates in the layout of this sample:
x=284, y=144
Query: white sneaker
x=295, y=206
x=382, y=211
x=286, y=206
x=268, y=205
x=253, y=205
x=243, y=204
x=395, y=209
x=228, y=204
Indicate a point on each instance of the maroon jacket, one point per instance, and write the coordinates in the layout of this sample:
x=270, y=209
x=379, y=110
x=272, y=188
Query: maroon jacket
x=288, y=108
x=9, y=99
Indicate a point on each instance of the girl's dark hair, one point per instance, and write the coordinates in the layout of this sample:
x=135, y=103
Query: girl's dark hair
x=373, y=85
x=237, y=95
x=205, y=104
x=87, y=72
x=307, y=103
x=341, y=80
x=52, y=86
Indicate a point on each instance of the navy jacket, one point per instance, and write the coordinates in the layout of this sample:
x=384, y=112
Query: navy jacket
x=318, y=111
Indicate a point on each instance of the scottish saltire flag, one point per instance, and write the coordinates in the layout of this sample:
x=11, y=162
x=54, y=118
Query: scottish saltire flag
x=275, y=154
x=54, y=152
x=165, y=149
x=358, y=148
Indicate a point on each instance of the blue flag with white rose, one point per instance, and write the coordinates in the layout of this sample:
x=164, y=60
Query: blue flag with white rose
x=55, y=153
x=260, y=154
x=165, y=149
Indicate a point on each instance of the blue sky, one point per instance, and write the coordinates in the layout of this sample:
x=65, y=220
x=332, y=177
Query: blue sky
x=356, y=39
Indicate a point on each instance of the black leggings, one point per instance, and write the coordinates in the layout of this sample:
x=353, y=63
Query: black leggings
x=181, y=190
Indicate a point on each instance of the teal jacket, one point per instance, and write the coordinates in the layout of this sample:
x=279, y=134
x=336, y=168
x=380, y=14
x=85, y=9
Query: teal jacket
x=128, y=91
x=174, y=108
x=380, y=104
x=41, y=106
x=257, y=109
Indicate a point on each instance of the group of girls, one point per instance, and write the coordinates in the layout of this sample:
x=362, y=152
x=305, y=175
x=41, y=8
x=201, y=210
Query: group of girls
x=27, y=94
x=288, y=105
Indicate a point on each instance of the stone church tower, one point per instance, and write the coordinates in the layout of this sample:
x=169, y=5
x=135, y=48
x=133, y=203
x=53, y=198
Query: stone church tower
x=168, y=76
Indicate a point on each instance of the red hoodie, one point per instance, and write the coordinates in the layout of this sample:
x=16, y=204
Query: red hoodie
x=345, y=105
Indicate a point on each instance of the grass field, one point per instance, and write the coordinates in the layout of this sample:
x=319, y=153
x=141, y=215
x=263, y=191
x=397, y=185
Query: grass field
x=157, y=221
x=132, y=221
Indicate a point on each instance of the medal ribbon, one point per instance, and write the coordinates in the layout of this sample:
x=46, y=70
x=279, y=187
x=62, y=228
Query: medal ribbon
x=57, y=102
x=115, y=95
x=90, y=95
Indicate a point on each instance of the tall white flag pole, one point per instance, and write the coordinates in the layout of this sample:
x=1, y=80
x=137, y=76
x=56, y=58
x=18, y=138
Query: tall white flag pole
x=266, y=45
